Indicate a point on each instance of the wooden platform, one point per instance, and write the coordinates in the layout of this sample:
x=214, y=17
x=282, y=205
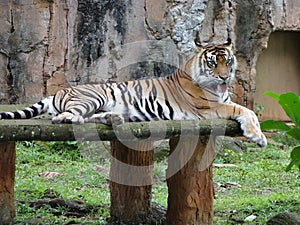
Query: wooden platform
x=189, y=174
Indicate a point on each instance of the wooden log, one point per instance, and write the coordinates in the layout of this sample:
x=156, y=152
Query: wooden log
x=7, y=177
x=43, y=130
x=131, y=175
x=191, y=188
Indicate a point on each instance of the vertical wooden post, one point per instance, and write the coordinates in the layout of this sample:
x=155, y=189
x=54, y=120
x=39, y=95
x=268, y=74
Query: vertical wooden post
x=130, y=182
x=191, y=189
x=7, y=177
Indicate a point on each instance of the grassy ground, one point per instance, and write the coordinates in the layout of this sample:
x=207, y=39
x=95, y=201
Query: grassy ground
x=254, y=185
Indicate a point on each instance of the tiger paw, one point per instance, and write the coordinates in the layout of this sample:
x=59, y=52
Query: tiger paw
x=67, y=117
x=258, y=138
x=251, y=128
x=107, y=118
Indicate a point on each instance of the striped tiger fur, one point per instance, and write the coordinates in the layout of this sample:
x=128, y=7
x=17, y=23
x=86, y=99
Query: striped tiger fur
x=198, y=90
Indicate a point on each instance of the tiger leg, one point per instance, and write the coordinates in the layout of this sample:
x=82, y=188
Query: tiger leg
x=247, y=119
x=108, y=118
x=73, y=106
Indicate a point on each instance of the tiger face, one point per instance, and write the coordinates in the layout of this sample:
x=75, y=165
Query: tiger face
x=217, y=66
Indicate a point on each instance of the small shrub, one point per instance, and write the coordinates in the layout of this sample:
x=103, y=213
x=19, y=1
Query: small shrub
x=290, y=102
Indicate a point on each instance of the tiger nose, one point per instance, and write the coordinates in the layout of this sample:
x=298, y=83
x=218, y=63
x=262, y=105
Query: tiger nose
x=223, y=77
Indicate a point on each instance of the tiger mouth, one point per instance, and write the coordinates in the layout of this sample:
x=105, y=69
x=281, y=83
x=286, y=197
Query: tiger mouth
x=223, y=87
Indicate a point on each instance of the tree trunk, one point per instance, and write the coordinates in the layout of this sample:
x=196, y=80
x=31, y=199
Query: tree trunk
x=191, y=189
x=130, y=182
x=7, y=177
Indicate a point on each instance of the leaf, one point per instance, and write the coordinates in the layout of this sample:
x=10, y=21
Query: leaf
x=273, y=95
x=295, y=133
x=295, y=158
x=274, y=125
x=290, y=102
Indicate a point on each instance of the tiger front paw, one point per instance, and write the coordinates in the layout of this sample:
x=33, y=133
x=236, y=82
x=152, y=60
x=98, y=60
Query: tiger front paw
x=67, y=117
x=107, y=118
x=251, y=128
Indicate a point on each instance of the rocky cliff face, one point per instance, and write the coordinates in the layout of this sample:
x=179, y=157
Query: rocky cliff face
x=90, y=41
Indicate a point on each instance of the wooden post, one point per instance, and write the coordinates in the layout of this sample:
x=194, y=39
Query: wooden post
x=131, y=182
x=7, y=177
x=191, y=189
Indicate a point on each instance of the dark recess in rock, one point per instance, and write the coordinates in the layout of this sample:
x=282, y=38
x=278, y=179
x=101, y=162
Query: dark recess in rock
x=92, y=27
x=147, y=69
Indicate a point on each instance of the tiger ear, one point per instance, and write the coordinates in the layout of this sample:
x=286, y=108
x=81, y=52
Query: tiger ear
x=198, y=43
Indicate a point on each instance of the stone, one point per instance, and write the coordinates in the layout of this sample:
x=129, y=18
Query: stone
x=285, y=218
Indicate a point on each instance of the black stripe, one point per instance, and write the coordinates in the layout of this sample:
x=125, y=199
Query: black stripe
x=134, y=119
x=151, y=102
x=148, y=110
x=147, y=83
x=5, y=116
x=124, y=89
x=226, y=98
x=138, y=89
x=77, y=110
x=160, y=111
x=18, y=116
x=141, y=113
x=60, y=102
x=130, y=98
x=35, y=111
x=28, y=114
x=154, y=91
x=41, y=104
x=112, y=92
x=170, y=109
x=89, y=107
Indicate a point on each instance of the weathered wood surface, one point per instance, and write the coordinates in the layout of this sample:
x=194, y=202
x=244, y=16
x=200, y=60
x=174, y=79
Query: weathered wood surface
x=131, y=178
x=191, y=189
x=44, y=130
x=7, y=176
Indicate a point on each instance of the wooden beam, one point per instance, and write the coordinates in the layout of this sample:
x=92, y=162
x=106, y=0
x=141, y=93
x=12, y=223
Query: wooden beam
x=44, y=130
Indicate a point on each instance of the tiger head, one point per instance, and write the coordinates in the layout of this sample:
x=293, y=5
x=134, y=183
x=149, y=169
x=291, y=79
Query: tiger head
x=215, y=66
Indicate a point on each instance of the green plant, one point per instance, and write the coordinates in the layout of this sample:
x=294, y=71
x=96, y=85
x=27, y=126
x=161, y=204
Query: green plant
x=290, y=102
x=259, y=108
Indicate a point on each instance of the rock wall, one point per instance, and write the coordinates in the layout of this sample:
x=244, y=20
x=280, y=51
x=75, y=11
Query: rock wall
x=90, y=41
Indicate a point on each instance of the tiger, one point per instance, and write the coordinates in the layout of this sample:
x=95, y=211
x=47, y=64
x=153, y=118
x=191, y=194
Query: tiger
x=199, y=89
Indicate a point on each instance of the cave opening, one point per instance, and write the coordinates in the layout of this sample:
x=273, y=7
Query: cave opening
x=278, y=70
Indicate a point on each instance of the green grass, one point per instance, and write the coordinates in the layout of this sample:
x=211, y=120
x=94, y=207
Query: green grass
x=257, y=185
x=264, y=188
x=79, y=180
